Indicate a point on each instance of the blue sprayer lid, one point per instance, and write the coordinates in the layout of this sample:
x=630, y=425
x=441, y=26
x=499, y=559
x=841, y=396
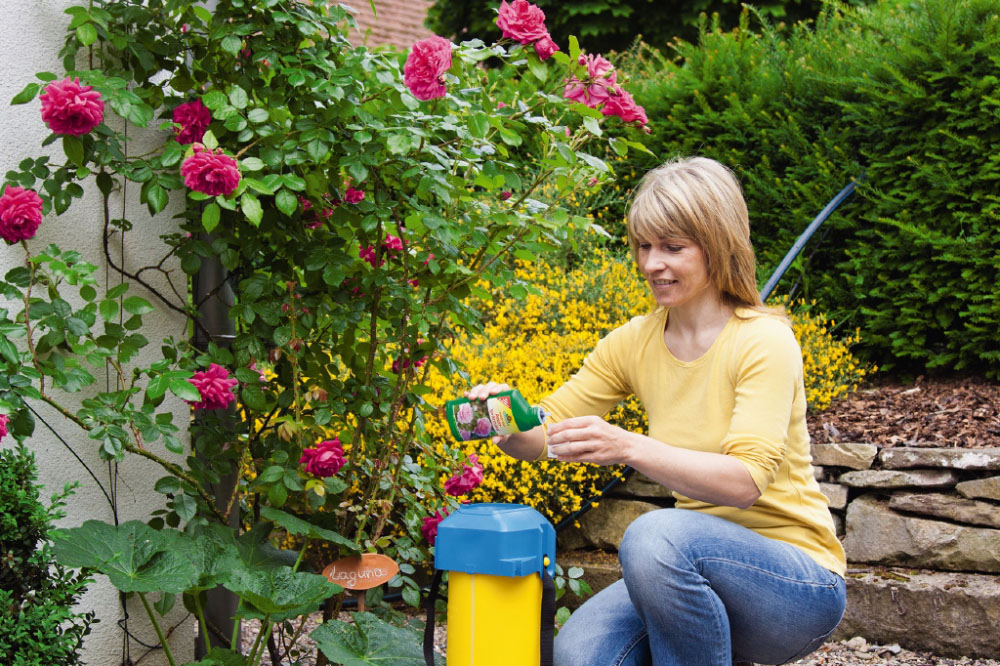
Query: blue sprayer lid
x=497, y=539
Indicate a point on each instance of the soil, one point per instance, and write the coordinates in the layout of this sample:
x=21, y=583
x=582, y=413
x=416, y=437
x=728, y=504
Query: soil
x=961, y=412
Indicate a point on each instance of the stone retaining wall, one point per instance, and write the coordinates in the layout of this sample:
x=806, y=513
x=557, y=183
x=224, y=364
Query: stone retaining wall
x=920, y=526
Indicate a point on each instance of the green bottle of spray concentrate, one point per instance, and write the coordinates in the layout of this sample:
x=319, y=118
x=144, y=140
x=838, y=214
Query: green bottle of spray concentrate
x=505, y=413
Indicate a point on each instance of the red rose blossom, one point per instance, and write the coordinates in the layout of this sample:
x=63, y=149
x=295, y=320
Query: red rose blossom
x=424, y=70
x=522, y=21
x=210, y=172
x=20, y=214
x=193, y=118
x=4, y=420
x=215, y=387
x=430, y=526
x=70, y=108
x=353, y=196
x=469, y=478
x=621, y=104
x=324, y=460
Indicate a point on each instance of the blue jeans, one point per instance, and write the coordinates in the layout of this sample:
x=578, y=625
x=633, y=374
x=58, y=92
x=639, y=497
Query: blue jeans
x=698, y=590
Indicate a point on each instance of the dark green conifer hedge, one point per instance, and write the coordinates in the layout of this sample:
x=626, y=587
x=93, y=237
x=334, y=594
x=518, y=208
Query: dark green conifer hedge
x=906, y=92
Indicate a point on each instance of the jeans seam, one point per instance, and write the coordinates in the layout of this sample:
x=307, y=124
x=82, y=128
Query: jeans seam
x=828, y=586
x=629, y=647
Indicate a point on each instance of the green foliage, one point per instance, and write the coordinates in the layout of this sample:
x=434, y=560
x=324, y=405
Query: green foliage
x=37, y=622
x=613, y=25
x=905, y=93
x=338, y=297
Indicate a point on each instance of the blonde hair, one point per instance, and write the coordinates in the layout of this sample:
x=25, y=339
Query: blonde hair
x=699, y=199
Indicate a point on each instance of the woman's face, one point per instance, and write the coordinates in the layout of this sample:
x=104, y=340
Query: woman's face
x=676, y=271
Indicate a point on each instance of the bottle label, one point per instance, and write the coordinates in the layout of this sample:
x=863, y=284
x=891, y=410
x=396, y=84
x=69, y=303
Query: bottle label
x=472, y=419
x=502, y=415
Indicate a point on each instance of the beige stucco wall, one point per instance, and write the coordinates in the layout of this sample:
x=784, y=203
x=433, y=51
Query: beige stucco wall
x=31, y=33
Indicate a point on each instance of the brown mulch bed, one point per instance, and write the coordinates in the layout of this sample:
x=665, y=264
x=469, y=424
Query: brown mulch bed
x=960, y=412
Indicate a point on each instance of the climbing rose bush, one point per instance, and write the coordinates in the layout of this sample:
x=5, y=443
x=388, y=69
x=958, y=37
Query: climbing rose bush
x=20, y=214
x=71, y=108
x=349, y=206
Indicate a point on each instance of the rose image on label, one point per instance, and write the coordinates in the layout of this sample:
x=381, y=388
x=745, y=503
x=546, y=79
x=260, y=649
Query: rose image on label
x=464, y=413
x=482, y=428
x=505, y=413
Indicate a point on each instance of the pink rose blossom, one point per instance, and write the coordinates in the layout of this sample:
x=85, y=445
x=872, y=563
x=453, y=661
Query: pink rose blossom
x=215, y=386
x=210, y=172
x=368, y=254
x=263, y=377
x=430, y=526
x=353, y=196
x=424, y=70
x=597, y=87
x=69, y=108
x=324, y=460
x=193, y=118
x=468, y=479
x=464, y=434
x=20, y=214
x=4, y=420
x=464, y=413
x=506, y=194
x=392, y=243
x=545, y=47
x=622, y=105
x=522, y=21
x=501, y=105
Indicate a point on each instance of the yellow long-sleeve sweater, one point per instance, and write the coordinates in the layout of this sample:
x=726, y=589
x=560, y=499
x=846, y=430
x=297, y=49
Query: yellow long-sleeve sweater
x=744, y=397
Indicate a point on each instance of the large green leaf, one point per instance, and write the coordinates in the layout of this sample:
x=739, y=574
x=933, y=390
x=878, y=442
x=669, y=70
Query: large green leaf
x=220, y=657
x=278, y=591
x=134, y=556
x=214, y=553
x=297, y=526
x=256, y=553
x=369, y=641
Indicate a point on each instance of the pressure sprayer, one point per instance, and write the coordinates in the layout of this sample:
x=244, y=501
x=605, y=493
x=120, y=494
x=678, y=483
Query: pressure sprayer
x=501, y=598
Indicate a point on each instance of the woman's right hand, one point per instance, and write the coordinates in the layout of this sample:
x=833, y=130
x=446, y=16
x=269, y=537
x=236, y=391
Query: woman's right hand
x=484, y=391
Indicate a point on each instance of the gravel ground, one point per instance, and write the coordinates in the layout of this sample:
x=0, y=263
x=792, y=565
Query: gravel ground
x=854, y=652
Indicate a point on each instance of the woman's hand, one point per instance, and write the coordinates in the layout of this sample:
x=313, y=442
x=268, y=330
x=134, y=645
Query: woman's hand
x=588, y=439
x=484, y=391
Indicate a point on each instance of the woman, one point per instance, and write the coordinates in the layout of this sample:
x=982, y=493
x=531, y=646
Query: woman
x=748, y=565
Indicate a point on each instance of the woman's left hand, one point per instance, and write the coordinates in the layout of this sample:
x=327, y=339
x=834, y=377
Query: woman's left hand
x=588, y=439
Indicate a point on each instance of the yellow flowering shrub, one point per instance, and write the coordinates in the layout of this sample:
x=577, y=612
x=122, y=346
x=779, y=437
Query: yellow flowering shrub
x=534, y=344
x=831, y=371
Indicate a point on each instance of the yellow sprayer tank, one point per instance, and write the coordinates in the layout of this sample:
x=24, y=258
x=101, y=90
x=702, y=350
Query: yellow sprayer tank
x=499, y=558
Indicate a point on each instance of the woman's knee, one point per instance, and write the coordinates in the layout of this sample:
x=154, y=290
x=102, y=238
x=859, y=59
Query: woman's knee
x=654, y=537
